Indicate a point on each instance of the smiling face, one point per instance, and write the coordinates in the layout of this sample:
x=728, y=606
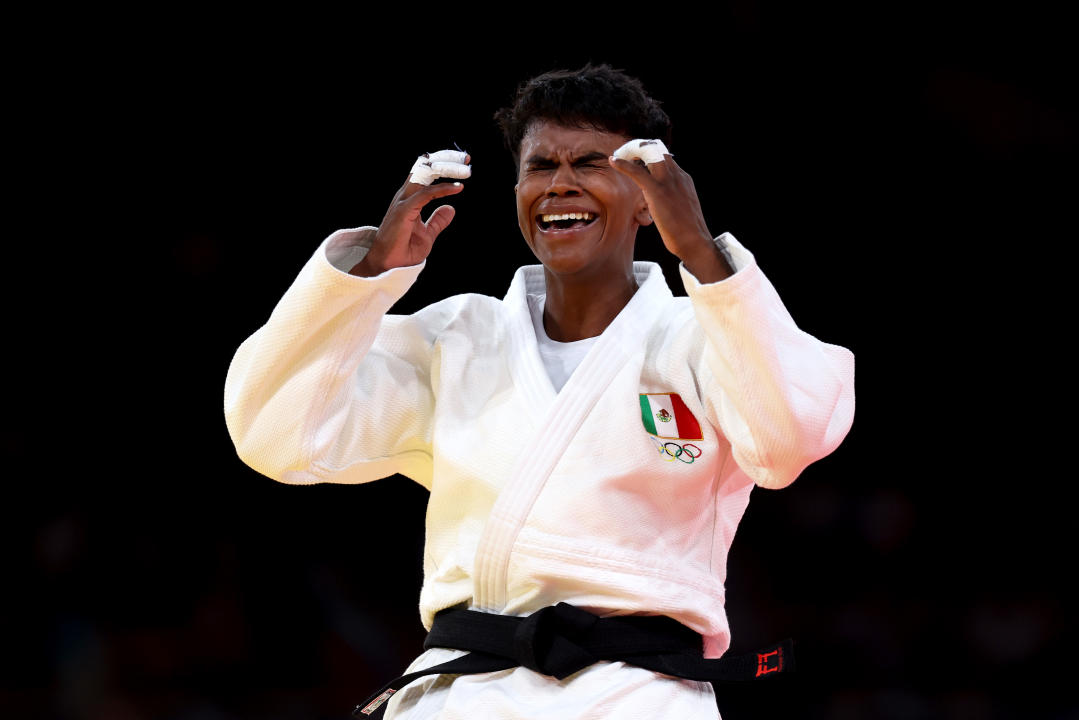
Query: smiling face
x=577, y=213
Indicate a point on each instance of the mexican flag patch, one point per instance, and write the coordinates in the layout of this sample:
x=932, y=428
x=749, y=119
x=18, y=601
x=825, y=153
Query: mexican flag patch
x=666, y=416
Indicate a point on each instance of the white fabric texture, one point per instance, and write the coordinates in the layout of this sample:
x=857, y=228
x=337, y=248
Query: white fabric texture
x=538, y=496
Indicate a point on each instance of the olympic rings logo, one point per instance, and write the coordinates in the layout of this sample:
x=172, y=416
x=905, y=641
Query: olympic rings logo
x=671, y=451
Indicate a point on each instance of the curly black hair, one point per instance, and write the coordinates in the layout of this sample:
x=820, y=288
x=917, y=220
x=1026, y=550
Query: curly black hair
x=595, y=96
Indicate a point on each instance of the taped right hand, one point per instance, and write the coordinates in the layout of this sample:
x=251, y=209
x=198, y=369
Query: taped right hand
x=404, y=238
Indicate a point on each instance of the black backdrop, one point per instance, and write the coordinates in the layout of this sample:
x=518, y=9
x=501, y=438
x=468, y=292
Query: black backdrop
x=896, y=175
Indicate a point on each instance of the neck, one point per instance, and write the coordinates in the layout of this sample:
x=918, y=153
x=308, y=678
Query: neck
x=577, y=308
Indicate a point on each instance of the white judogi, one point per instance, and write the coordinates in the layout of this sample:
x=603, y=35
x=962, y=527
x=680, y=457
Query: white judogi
x=539, y=497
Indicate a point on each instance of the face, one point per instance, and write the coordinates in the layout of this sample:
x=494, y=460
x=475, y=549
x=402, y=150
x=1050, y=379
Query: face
x=577, y=213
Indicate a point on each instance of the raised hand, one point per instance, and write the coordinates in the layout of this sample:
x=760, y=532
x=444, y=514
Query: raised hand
x=674, y=206
x=403, y=237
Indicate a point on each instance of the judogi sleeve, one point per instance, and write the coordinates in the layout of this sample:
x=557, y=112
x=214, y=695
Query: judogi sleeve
x=331, y=388
x=782, y=398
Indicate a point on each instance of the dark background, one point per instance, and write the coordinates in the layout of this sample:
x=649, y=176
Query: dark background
x=903, y=177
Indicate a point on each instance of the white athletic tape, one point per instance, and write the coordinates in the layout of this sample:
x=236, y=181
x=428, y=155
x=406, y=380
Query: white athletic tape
x=650, y=151
x=444, y=163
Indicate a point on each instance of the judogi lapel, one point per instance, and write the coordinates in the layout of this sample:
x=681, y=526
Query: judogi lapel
x=559, y=416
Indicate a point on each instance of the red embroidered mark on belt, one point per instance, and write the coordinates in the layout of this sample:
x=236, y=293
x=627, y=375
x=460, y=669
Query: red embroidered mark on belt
x=769, y=662
x=377, y=702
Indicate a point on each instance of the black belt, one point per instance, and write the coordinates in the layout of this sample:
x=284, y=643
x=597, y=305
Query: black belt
x=561, y=639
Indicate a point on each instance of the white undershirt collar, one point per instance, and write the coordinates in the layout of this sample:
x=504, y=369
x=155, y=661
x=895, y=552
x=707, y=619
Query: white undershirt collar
x=560, y=359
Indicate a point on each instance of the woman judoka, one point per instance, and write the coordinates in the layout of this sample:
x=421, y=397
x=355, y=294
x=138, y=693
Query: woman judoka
x=622, y=426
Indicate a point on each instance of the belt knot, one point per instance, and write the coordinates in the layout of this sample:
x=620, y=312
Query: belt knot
x=549, y=641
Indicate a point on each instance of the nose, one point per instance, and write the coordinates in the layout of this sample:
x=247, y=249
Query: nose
x=564, y=182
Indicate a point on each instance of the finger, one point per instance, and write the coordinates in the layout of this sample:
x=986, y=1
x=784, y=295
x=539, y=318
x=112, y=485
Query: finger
x=649, y=151
x=440, y=219
x=453, y=156
x=451, y=170
x=414, y=201
x=637, y=173
x=661, y=170
x=444, y=163
x=670, y=167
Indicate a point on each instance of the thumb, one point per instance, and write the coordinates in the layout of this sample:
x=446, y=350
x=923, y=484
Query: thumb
x=440, y=219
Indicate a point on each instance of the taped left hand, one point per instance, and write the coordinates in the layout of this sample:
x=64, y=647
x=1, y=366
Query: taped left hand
x=674, y=205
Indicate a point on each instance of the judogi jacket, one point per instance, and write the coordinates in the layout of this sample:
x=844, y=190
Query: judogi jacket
x=619, y=494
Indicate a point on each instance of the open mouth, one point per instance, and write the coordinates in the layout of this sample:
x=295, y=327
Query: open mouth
x=565, y=221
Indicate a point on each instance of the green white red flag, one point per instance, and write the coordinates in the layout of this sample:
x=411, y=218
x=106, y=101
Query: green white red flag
x=666, y=416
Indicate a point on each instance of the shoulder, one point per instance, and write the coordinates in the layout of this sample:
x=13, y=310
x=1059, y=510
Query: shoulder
x=483, y=312
x=464, y=309
x=676, y=319
x=470, y=315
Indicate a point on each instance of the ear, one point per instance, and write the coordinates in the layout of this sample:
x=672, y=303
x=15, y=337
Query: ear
x=643, y=215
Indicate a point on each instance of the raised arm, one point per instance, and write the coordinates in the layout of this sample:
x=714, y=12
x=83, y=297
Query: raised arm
x=331, y=388
x=782, y=398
